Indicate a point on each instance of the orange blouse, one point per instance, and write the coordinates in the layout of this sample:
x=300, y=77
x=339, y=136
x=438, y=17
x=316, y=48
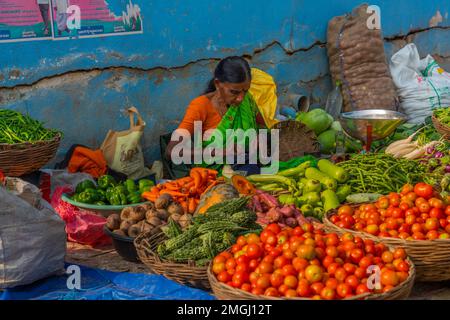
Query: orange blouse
x=200, y=109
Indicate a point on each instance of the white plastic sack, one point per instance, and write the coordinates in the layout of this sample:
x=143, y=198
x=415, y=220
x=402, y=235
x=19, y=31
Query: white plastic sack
x=32, y=241
x=62, y=178
x=421, y=84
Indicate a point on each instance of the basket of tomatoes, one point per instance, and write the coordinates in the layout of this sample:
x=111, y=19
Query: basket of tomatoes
x=416, y=219
x=306, y=263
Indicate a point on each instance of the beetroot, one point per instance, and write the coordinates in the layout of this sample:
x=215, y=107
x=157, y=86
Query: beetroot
x=291, y=222
x=274, y=215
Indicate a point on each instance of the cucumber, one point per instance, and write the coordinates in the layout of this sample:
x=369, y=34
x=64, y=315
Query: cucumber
x=330, y=200
x=363, y=197
x=332, y=170
x=326, y=181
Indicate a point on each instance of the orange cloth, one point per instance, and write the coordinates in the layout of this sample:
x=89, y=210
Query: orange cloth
x=200, y=109
x=88, y=161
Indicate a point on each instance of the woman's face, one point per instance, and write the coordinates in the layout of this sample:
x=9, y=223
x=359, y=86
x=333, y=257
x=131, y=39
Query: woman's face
x=232, y=93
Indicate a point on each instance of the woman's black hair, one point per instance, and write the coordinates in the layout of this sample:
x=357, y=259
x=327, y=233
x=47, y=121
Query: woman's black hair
x=231, y=69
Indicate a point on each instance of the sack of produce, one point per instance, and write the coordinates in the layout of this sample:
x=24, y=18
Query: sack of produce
x=357, y=60
x=122, y=150
x=422, y=84
x=33, y=241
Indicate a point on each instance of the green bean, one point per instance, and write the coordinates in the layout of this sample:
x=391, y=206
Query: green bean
x=18, y=128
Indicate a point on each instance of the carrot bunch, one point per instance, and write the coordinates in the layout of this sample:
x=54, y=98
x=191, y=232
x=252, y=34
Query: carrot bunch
x=186, y=191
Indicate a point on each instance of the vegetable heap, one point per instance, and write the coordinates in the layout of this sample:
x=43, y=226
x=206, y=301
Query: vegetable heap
x=314, y=191
x=308, y=263
x=416, y=213
x=209, y=234
x=381, y=173
x=110, y=192
x=443, y=115
x=18, y=128
x=186, y=191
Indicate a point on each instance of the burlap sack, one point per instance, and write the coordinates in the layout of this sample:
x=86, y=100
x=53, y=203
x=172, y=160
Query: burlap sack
x=122, y=150
x=358, y=62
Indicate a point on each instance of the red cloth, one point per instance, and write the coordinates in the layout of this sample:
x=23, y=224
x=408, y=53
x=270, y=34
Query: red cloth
x=88, y=161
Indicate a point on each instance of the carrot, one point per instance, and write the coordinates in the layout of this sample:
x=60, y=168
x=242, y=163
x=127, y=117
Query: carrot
x=214, y=183
x=184, y=180
x=191, y=206
x=154, y=190
x=204, y=175
x=174, y=193
x=150, y=196
x=172, y=186
x=197, y=178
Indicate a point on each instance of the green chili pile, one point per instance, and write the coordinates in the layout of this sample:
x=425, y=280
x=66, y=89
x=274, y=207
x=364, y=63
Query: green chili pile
x=18, y=128
x=381, y=173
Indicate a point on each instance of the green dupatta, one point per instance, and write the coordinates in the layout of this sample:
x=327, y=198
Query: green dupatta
x=242, y=117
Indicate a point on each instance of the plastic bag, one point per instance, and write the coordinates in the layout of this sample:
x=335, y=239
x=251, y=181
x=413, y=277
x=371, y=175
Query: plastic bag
x=421, y=84
x=82, y=226
x=32, y=241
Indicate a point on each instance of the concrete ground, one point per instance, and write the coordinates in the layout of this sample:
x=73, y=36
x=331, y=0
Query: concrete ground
x=107, y=258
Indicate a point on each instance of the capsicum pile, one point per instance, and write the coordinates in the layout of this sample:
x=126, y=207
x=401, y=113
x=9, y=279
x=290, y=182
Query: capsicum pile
x=110, y=192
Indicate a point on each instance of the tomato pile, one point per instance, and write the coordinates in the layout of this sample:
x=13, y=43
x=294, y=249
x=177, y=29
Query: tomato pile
x=305, y=262
x=417, y=213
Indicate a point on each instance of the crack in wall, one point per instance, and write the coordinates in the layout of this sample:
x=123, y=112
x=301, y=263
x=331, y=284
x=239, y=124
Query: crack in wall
x=256, y=52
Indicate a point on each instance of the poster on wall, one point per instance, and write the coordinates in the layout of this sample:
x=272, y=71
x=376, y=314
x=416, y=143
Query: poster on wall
x=95, y=18
x=25, y=20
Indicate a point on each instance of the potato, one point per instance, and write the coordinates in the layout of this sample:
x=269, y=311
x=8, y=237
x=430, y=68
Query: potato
x=155, y=221
x=175, y=208
x=163, y=201
x=163, y=214
x=113, y=222
x=125, y=214
x=185, y=221
x=134, y=231
x=175, y=217
x=120, y=233
x=125, y=225
x=137, y=214
x=151, y=214
x=146, y=227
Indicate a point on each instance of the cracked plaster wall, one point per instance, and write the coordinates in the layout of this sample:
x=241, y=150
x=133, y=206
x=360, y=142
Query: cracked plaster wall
x=81, y=86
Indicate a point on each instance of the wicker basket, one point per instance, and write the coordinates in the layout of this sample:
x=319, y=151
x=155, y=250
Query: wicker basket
x=431, y=257
x=23, y=158
x=441, y=128
x=187, y=274
x=226, y=292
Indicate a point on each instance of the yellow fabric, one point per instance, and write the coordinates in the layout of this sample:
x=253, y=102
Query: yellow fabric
x=264, y=92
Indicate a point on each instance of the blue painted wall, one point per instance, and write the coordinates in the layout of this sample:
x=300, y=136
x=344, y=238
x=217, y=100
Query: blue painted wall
x=80, y=86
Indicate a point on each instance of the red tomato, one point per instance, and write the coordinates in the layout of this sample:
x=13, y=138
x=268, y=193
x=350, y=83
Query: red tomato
x=317, y=287
x=303, y=289
x=423, y=190
x=265, y=267
x=263, y=282
x=389, y=278
x=298, y=231
x=230, y=263
x=343, y=290
x=361, y=289
x=352, y=281
x=407, y=188
x=436, y=213
x=274, y=227
x=224, y=277
x=239, y=278
x=271, y=292
x=432, y=224
x=288, y=270
x=291, y=282
x=280, y=262
x=276, y=280
x=254, y=251
x=313, y=273
x=340, y=274
x=265, y=234
x=241, y=241
x=246, y=287
x=356, y=255
x=328, y=293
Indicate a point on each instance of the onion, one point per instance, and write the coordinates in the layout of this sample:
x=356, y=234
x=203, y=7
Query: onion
x=430, y=150
x=447, y=168
x=438, y=155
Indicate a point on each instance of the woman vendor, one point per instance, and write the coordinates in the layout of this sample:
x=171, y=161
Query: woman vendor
x=226, y=104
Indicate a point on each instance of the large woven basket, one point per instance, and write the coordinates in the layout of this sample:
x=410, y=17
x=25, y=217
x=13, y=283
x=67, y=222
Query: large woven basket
x=441, y=128
x=295, y=140
x=431, y=257
x=23, y=158
x=223, y=291
x=187, y=273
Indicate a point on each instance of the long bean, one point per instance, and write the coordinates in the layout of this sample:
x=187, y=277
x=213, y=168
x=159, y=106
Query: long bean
x=381, y=173
x=18, y=128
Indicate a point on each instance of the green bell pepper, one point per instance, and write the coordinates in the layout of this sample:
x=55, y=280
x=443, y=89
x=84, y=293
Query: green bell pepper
x=100, y=203
x=87, y=197
x=123, y=199
x=121, y=189
x=115, y=199
x=106, y=181
x=83, y=185
x=134, y=197
x=101, y=194
x=130, y=185
x=145, y=185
